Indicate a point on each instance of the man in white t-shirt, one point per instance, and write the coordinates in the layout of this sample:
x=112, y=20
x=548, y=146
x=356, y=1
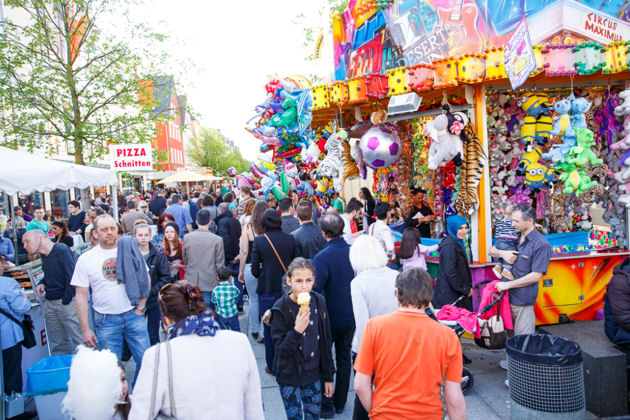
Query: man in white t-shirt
x=115, y=318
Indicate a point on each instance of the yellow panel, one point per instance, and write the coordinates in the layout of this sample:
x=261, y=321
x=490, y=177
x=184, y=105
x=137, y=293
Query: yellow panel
x=620, y=55
x=540, y=59
x=339, y=93
x=471, y=68
x=495, y=64
x=321, y=99
x=609, y=60
x=397, y=79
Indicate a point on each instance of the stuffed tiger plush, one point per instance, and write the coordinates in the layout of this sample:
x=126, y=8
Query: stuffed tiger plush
x=471, y=171
x=350, y=167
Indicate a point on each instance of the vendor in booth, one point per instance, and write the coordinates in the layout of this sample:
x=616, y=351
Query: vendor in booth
x=421, y=215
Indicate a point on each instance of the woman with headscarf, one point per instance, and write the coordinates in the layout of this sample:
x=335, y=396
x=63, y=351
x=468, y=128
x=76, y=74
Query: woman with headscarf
x=454, y=279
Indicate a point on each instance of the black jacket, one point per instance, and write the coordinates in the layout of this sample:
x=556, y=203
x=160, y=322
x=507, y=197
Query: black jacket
x=309, y=240
x=286, y=341
x=229, y=229
x=454, y=278
x=617, y=305
x=159, y=272
x=265, y=265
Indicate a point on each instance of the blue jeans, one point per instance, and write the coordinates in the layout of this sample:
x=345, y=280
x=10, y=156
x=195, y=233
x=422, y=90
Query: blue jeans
x=154, y=316
x=110, y=331
x=207, y=299
x=251, y=283
x=266, y=301
x=234, y=267
x=230, y=323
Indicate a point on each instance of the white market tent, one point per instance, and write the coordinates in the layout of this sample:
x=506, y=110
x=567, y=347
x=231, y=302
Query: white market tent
x=23, y=172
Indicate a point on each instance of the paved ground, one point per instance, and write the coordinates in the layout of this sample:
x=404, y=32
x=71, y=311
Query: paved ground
x=488, y=399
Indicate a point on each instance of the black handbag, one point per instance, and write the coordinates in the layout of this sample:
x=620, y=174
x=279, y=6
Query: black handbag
x=27, y=328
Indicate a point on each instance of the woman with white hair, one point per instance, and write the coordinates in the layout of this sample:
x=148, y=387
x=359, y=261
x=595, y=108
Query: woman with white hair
x=372, y=292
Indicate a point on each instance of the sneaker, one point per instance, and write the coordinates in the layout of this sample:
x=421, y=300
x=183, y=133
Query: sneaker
x=507, y=384
x=327, y=414
x=497, y=270
x=503, y=364
x=507, y=274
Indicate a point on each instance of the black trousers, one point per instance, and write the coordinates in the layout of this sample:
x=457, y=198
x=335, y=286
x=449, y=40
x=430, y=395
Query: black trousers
x=342, y=340
x=359, y=413
x=12, y=364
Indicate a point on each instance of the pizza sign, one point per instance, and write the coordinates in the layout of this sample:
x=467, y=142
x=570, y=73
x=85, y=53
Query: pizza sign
x=131, y=157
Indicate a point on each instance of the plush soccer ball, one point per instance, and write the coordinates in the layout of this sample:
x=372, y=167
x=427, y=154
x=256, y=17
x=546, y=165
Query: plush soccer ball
x=379, y=147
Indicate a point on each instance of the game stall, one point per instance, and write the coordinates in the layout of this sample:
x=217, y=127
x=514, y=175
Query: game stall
x=459, y=101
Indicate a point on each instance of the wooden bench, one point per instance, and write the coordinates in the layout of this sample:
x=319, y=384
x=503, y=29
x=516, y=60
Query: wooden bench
x=605, y=366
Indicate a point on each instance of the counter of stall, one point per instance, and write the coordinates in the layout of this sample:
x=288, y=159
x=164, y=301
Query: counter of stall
x=575, y=283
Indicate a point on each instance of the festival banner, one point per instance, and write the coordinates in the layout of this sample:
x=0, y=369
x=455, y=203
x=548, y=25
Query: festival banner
x=520, y=61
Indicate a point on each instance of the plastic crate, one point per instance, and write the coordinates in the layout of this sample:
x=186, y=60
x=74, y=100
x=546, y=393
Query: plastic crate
x=49, y=375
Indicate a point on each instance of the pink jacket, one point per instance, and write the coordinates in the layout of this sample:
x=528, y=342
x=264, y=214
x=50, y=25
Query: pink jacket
x=488, y=295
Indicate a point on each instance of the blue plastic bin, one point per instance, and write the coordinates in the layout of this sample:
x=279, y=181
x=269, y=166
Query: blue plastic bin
x=49, y=375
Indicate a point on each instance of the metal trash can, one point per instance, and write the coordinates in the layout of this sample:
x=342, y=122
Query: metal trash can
x=546, y=378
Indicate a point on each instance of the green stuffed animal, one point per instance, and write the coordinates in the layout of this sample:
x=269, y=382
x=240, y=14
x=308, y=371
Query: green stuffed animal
x=581, y=154
x=576, y=181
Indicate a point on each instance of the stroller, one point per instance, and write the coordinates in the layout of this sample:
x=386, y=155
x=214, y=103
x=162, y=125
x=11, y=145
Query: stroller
x=467, y=375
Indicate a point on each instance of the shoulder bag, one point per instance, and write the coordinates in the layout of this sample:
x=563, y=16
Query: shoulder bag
x=493, y=333
x=160, y=416
x=27, y=328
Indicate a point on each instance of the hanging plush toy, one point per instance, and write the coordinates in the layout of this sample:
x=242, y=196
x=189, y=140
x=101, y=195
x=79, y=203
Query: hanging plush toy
x=582, y=154
x=538, y=176
x=578, y=107
x=331, y=166
x=529, y=158
x=537, y=123
x=445, y=146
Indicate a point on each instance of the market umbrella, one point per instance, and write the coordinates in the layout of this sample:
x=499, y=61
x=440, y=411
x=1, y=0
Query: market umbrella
x=183, y=176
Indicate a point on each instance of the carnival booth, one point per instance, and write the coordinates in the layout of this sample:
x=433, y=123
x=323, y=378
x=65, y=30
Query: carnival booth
x=22, y=172
x=429, y=96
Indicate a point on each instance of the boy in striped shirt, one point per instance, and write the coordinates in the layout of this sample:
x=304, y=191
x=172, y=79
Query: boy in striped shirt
x=506, y=237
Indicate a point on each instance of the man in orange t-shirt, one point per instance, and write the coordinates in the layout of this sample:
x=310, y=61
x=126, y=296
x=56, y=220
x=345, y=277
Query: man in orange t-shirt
x=412, y=357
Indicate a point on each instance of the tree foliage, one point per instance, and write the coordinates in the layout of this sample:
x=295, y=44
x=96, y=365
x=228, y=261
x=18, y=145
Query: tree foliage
x=210, y=149
x=311, y=33
x=65, y=80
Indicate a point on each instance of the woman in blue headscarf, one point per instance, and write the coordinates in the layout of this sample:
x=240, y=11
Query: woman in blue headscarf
x=454, y=278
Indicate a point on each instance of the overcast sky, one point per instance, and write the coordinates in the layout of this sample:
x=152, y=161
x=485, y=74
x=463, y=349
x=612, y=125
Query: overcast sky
x=234, y=46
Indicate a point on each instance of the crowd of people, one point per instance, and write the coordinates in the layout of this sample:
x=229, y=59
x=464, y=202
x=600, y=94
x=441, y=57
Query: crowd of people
x=167, y=283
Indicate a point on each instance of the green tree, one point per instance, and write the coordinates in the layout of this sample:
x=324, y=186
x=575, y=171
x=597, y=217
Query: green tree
x=209, y=149
x=65, y=80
